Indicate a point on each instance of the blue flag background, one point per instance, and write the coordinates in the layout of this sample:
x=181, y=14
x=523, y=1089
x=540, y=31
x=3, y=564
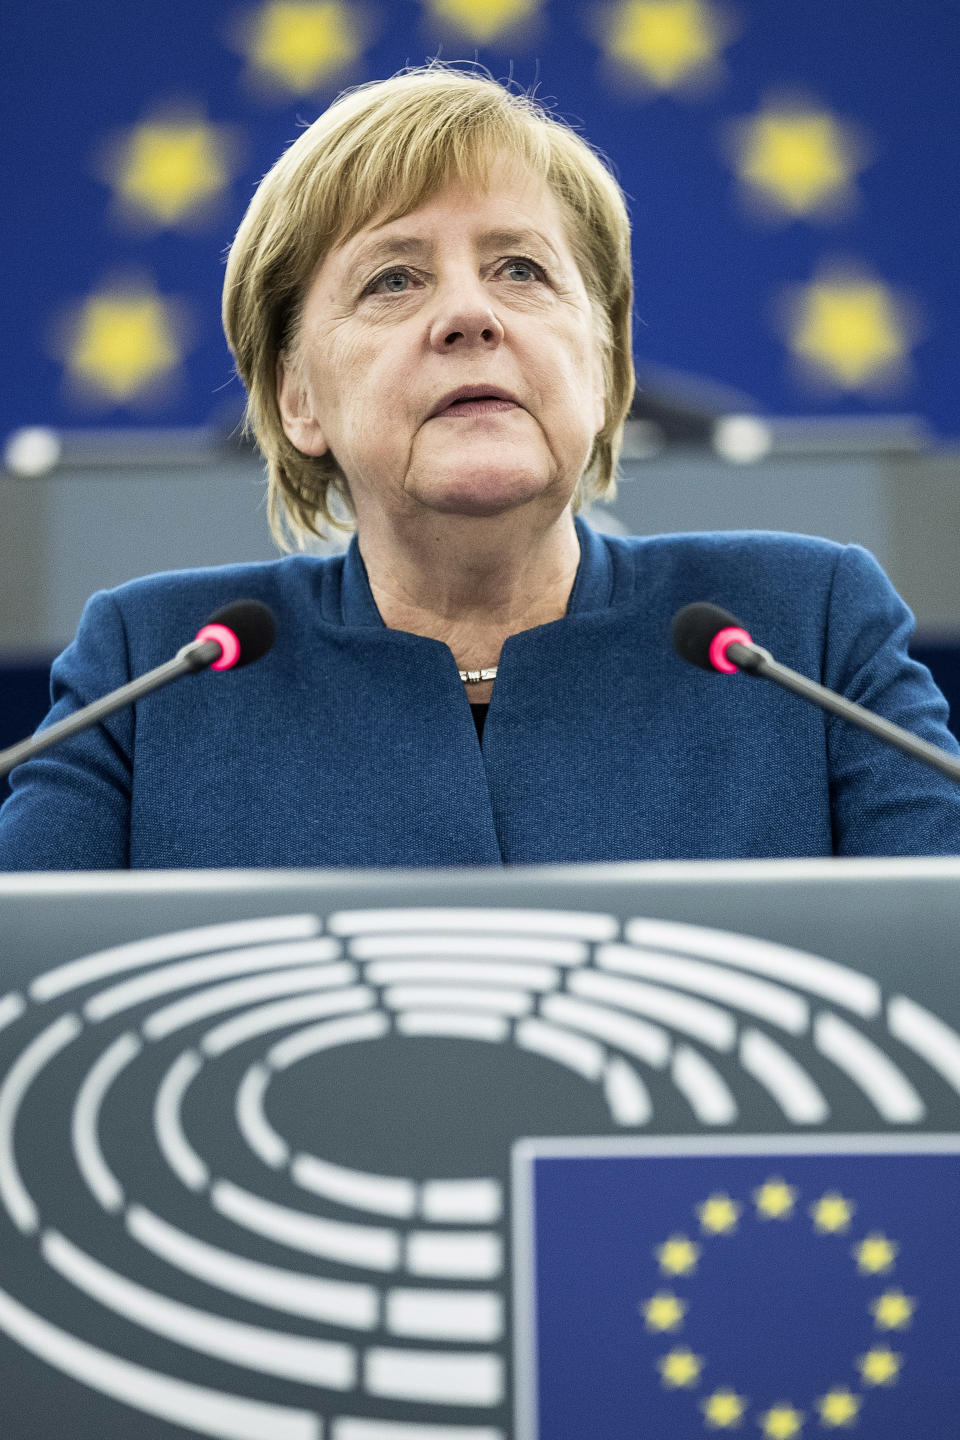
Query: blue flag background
x=792, y=171
x=781, y=1294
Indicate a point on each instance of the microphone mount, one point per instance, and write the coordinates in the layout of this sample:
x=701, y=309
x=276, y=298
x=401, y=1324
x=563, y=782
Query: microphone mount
x=236, y=635
x=710, y=637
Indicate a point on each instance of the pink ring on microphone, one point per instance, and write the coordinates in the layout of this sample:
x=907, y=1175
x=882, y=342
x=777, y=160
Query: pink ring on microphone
x=731, y=635
x=227, y=641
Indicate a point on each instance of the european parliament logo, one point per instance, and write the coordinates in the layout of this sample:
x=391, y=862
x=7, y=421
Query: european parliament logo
x=775, y=1287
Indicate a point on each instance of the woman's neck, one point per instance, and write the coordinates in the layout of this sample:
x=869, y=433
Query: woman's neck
x=472, y=582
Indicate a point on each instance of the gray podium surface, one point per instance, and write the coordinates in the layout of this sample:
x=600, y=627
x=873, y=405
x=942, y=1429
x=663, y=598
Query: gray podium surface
x=256, y=1128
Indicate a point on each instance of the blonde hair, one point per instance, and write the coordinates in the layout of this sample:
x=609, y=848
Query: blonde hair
x=381, y=150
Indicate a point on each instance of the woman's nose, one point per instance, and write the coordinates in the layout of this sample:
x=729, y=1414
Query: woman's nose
x=464, y=317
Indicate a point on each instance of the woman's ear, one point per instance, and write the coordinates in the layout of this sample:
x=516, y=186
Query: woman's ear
x=300, y=425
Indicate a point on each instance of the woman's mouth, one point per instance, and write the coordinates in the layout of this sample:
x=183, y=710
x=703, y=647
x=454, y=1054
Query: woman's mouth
x=475, y=405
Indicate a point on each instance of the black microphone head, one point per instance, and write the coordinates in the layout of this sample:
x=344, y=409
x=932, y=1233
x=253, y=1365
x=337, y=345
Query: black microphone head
x=693, y=628
x=252, y=623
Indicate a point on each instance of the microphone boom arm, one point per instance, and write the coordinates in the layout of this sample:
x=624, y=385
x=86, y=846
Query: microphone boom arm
x=198, y=655
x=754, y=660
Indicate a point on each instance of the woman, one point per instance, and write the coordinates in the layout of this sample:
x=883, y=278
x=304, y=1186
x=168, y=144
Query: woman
x=429, y=304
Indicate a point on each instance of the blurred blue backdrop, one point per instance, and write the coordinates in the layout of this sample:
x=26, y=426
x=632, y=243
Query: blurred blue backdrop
x=792, y=174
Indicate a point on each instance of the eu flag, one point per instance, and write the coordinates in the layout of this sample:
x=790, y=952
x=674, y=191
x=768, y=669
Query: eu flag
x=753, y=1286
x=791, y=172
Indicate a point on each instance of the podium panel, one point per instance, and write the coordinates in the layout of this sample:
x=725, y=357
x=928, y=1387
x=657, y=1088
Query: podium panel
x=572, y=1153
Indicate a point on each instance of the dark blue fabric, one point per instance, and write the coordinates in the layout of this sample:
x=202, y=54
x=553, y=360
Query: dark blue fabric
x=354, y=745
x=24, y=700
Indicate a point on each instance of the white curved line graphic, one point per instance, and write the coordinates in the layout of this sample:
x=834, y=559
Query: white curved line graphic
x=460, y=972
x=12, y=1007
x=626, y=1095
x=705, y=1022
x=703, y=1087
x=168, y=1128
x=17, y=1081
x=463, y=1255
x=639, y=1038
x=878, y=1077
x=381, y=1194
x=233, y=994
x=575, y=1052
x=472, y=1315
x=800, y=1099
x=453, y=997
x=369, y=1246
x=348, y=1303
x=197, y=1408
x=186, y=974
x=86, y=1117
x=253, y=1123
x=326, y=1035
x=461, y=1202
x=809, y=972
x=771, y=1002
x=453, y=1023
x=282, y=1013
x=927, y=1035
x=434, y=1376
x=490, y=948
x=584, y=924
x=204, y=938
x=328, y=1363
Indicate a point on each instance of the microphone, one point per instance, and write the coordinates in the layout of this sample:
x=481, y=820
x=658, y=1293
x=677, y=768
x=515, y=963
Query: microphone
x=236, y=635
x=712, y=638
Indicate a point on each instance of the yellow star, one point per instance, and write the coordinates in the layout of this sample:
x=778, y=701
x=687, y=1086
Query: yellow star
x=838, y=1408
x=663, y=1311
x=849, y=329
x=876, y=1254
x=167, y=169
x=880, y=1366
x=832, y=1213
x=678, y=1255
x=775, y=1200
x=797, y=159
x=718, y=1215
x=724, y=1409
x=781, y=1422
x=483, y=20
x=892, y=1310
x=298, y=45
x=122, y=342
x=666, y=42
x=680, y=1369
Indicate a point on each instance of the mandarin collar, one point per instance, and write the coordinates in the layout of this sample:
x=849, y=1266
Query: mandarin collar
x=593, y=584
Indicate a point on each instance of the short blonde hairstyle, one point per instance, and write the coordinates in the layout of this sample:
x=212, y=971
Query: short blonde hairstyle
x=380, y=151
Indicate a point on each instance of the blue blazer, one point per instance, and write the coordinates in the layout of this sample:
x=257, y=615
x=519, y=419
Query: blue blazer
x=353, y=745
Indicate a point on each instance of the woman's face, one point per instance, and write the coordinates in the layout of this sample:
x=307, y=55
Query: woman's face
x=449, y=359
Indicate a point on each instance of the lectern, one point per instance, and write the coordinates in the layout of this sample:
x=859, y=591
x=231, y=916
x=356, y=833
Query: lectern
x=574, y=1153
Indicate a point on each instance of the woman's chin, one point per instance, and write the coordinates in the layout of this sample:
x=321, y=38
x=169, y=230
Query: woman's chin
x=485, y=491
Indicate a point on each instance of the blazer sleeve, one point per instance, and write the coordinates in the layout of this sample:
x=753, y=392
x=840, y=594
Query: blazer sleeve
x=70, y=807
x=883, y=802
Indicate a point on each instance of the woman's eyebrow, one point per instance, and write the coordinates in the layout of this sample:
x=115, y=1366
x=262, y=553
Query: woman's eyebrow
x=395, y=247
x=410, y=247
x=515, y=240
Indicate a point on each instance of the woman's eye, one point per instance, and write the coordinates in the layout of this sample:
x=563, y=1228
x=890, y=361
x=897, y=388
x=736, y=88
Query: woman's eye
x=391, y=282
x=523, y=270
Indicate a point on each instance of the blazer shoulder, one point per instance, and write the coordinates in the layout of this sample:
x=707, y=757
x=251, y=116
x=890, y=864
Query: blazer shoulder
x=751, y=560
x=769, y=546
x=198, y=592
